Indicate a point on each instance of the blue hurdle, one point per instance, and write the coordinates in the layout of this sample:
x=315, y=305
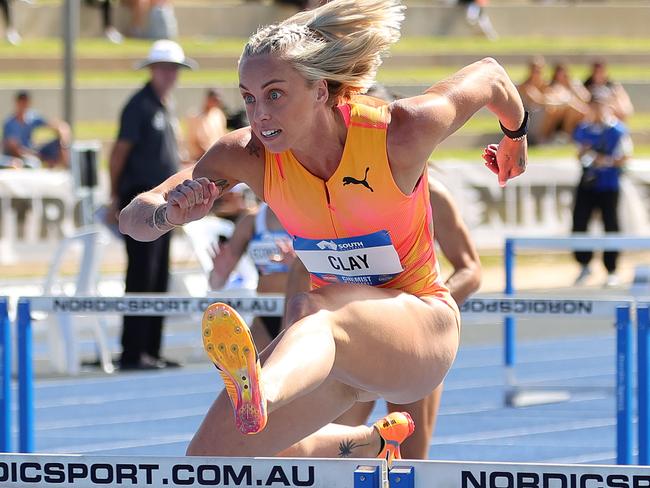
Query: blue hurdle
x=270, y=305
x=5, y=374
x=624, y=386
x=574, y=242
x=619, y=310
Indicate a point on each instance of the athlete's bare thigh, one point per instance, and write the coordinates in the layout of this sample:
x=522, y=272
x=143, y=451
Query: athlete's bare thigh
x=388, y=342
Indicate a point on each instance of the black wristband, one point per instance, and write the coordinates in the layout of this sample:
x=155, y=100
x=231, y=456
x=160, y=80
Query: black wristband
x=518, y=134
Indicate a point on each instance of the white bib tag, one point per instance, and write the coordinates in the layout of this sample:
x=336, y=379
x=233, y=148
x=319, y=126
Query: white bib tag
x=370, y=259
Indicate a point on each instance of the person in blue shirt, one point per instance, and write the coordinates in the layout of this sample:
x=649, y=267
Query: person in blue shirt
x=17, y=136
x=605, y=146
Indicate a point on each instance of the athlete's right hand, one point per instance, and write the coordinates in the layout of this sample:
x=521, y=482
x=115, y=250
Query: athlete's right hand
x=191, y=200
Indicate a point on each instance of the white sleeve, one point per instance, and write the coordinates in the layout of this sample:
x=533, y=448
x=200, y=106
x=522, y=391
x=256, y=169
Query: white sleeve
x=624, y=147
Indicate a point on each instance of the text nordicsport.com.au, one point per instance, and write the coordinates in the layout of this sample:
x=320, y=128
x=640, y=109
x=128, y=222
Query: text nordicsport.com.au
x=153, y=474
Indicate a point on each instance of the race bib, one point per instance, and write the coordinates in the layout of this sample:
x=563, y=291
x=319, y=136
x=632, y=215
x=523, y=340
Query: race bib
x=370, y=259
x=264, y=252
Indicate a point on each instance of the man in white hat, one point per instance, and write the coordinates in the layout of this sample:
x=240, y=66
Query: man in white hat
x=144, y=155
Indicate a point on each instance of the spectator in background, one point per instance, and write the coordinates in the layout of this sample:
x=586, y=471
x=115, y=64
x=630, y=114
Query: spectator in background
x=556, y=107
x=11, y=34
x=144, y=155
x=618, y=99
x=139, y=16
x=162, y=20
x=237, y=120
x=476, y=15
x=106, y=9
x=570, y=100
x=604, y=147
x=533, y=94
x=206, y=127
x=17, y=135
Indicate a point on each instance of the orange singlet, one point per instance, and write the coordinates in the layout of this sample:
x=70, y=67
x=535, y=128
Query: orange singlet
x=358, y=226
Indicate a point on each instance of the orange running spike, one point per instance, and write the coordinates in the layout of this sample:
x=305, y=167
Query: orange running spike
x=229, y=344
x=394, y=428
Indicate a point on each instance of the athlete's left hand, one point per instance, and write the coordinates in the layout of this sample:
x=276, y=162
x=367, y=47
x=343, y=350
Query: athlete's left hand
x=507, y=159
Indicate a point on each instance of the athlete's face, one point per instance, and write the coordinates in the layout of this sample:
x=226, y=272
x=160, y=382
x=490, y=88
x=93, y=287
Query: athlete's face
x=279, y=102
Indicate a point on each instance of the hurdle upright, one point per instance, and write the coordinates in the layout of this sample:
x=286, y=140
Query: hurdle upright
x=5, y=376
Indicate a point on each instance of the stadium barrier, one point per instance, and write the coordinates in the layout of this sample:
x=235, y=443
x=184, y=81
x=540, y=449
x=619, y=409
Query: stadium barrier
x=273, y=305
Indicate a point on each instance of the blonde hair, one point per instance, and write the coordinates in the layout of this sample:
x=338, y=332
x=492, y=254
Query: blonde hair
x=341, y=42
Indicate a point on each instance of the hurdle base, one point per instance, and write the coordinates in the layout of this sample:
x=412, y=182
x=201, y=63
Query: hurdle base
x=519, y=398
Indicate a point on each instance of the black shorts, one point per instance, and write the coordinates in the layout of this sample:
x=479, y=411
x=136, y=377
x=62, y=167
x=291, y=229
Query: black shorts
x=273, y=325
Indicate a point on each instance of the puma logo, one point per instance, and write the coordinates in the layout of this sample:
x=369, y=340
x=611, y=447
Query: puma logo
x=350, y=180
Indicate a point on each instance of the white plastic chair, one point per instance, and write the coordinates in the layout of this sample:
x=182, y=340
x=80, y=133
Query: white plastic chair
x=62, y=340
x=202, y=234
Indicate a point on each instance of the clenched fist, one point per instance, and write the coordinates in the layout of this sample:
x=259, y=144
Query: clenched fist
x=191, y=200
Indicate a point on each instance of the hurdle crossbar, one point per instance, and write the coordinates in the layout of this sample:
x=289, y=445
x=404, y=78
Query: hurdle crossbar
x=151, y=304
x=522, y=306
x=582, y=242
x=5, y=376
x=48, y=470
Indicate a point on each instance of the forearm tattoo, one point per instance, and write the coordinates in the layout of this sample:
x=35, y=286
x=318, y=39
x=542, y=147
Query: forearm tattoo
x=254, y=148
x=346, y=448
x=522, y=163
x=160, y=217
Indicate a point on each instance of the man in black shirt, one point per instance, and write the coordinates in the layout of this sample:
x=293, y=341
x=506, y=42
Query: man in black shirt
x=144, y=155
